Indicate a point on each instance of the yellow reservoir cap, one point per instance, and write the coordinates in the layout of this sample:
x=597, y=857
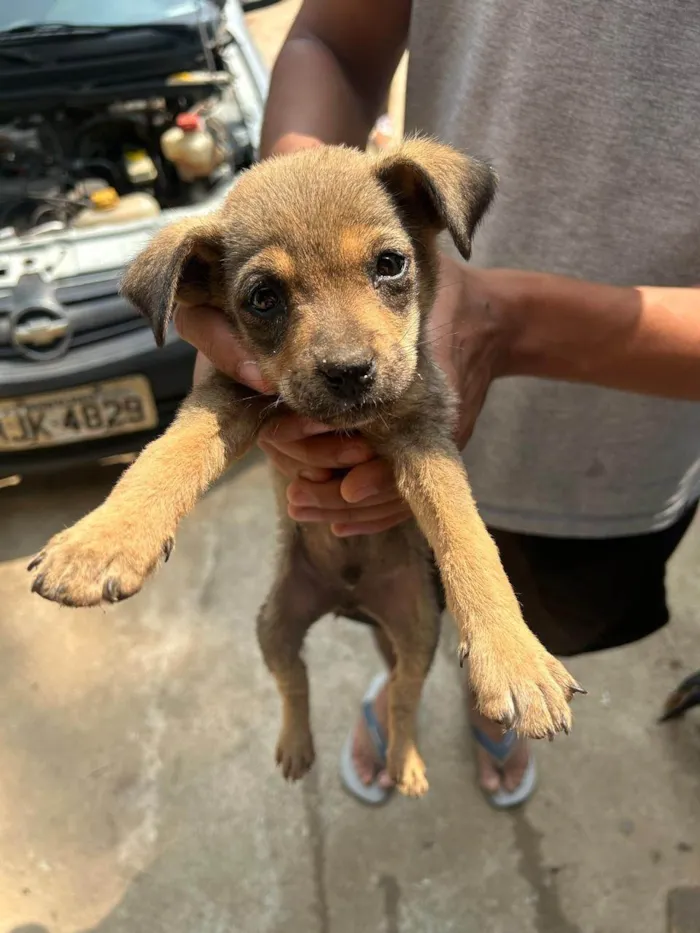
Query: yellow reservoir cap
x=134, y=155
x=104, y=199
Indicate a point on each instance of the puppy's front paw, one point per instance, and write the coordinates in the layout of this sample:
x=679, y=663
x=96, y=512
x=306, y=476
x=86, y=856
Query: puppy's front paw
x=517, y=682
x=295, y=753
x=100, y=559
x=407, y=771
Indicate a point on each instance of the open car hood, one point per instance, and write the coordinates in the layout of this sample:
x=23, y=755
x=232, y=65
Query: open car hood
x=48, y=65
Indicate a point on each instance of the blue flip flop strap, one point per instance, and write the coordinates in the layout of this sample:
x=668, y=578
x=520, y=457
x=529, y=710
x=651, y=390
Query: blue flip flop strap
x=499, y=750
x=376, y=733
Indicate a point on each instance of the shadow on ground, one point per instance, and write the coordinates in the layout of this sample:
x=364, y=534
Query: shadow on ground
x=139, y=793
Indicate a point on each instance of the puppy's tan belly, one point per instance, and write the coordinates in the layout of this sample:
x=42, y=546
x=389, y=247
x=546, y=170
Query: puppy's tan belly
x=360, y=573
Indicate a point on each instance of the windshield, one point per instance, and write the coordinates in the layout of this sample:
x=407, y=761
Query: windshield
x=93, y=12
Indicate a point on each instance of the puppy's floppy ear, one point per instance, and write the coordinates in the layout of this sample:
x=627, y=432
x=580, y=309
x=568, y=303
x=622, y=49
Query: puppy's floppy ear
x=436, y=186
x=183, y=262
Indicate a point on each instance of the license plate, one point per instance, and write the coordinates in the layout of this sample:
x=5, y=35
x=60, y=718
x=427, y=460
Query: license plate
x=103, y=409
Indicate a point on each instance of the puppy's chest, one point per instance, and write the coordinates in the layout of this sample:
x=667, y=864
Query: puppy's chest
x=356, y=571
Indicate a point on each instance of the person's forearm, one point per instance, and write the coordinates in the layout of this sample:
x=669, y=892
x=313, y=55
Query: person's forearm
x=311, y=102
x=330, y=80
x=644, y=339
x=333, y=73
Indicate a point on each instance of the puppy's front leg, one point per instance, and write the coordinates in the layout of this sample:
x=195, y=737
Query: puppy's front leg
x=515, y=680
x=108, y=555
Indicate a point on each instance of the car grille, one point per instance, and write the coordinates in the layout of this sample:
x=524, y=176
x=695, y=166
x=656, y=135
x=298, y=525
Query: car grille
x=91, y=303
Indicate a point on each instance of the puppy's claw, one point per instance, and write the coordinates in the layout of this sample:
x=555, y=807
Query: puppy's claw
x=34, y=563
x=111, y=591
x=37, y=584
x=168, y=549
x=463, y=654
x=508, y=723
x=577, y=688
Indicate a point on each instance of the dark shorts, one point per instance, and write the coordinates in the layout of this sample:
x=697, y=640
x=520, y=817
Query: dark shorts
x=583, y=595
x=580, y=594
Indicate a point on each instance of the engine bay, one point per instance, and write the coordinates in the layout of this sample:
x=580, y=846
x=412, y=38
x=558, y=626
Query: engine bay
x=86, y=164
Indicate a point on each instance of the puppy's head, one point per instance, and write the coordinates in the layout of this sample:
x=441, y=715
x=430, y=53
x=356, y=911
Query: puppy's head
x=324, y=261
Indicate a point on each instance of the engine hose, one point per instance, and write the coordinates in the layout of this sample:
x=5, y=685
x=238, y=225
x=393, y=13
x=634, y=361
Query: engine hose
x=82, y=143
x=103, y=165
x=250, y=5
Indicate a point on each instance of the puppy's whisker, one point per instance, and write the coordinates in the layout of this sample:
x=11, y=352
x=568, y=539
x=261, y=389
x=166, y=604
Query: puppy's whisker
x=249, y=398
x=438, y=329
x=437, y=338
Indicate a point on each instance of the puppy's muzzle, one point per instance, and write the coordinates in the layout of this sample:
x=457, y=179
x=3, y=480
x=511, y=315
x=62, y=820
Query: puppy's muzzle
x=348, y=381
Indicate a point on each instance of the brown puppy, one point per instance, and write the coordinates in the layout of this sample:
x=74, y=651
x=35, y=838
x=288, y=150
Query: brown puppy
x=325, y=261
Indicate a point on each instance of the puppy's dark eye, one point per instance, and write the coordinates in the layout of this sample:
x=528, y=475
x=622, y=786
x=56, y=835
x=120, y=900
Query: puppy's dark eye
x=390, y=265
x=266, y=300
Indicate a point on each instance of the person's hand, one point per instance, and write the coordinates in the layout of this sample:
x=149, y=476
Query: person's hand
x=464, y=336
x=209, y=332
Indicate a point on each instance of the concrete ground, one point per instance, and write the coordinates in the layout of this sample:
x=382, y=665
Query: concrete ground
x=138, y=792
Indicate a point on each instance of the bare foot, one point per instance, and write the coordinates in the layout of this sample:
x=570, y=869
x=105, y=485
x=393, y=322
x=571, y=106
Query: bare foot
x=364, y=756
x=493, y=778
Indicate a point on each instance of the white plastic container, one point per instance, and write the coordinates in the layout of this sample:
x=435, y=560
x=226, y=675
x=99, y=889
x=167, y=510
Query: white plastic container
x=191, y=147
x=139, y=167
x=108, y=208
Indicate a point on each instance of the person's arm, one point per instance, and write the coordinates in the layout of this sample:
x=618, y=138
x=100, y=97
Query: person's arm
x=329, y=83
x=333, y=73
x=644, y=340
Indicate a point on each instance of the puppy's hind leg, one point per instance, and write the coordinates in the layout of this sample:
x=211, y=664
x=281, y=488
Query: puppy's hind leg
x=410, y=619
x=294, y=603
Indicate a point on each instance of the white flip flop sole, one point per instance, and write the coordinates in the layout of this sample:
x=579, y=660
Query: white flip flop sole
x=371, y=794
x=504, y=799
x=499, y=751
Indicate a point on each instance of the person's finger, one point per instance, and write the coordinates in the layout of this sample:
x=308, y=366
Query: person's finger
x=207, y=329
x=328, y=495
x=368, y=480
x=293, y=468
x=328, y=451
x=351, y=515
x=355, y=529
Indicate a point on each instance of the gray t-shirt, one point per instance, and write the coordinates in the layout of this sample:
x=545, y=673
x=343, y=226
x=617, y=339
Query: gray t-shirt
x=590, y=112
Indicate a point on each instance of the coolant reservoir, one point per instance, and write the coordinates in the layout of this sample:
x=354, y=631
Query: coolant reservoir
x=108, y=208
x=191, y=147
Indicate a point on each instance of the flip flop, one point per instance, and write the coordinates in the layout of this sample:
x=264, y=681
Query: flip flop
x=499, y=751
x=371, y=794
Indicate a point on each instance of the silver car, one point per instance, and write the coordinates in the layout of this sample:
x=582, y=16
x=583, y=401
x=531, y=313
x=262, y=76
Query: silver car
x=115, y=118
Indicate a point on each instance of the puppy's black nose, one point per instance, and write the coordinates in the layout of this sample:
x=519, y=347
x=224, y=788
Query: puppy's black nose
x=348, y=381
